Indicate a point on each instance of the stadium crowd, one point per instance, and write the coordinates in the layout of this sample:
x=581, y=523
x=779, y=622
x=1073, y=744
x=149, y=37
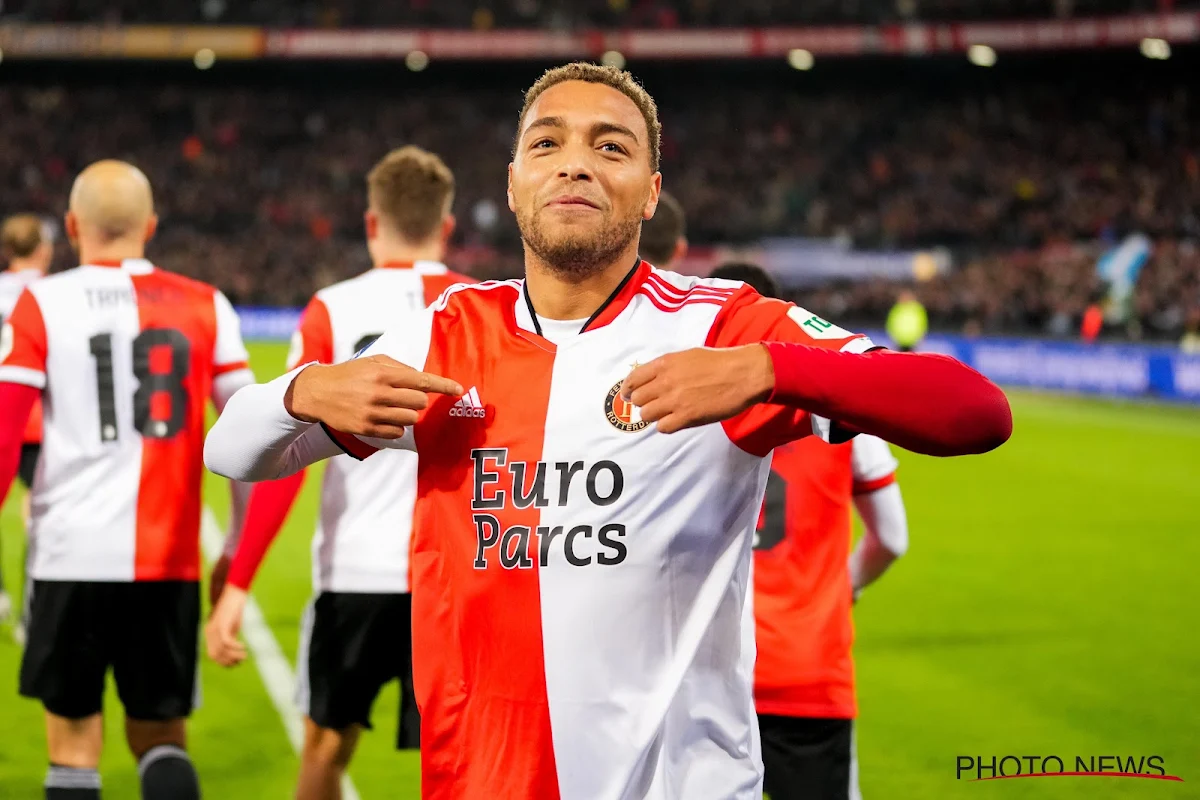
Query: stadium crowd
x=560, y=14
x=261, y=187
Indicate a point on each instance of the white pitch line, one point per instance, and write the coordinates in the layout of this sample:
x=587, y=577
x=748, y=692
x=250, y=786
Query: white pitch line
x=277, y=674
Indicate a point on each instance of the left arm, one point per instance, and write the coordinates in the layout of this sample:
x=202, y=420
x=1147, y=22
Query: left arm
x=877, y=497
x=231, y=372
x=885, y=535
x=794, y=369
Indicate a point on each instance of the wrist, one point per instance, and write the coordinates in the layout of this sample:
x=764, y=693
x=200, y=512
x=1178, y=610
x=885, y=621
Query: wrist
x=762, y=372
x=298, y=399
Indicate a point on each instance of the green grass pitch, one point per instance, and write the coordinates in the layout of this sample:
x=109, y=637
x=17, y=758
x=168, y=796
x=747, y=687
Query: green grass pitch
x=1048, y=606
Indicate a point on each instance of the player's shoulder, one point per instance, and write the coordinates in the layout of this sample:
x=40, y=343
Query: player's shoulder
x=678, y=287
x=159, y=277
x=483, y=299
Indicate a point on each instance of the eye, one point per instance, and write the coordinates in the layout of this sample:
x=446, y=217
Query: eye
x=612, y=147
x=542, y=144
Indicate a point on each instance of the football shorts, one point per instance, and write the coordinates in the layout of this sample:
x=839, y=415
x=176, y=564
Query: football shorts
x=352, y=644
x=807, y=758
x=28, y=463
x=147, y=632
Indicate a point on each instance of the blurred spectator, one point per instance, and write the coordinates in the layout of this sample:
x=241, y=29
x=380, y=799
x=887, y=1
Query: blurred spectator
x=259, y=187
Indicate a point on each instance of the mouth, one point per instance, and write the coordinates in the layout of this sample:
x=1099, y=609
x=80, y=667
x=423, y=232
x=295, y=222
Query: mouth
x=573, y=201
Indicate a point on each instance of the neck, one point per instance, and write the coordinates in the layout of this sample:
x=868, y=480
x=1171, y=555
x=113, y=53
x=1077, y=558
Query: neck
x=117, y=250
x=559, y=296
x=22, y=264
x=400, y=252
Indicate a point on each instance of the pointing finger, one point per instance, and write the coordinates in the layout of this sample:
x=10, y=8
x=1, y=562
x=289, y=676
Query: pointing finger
x=640, y=376
x=408, y=378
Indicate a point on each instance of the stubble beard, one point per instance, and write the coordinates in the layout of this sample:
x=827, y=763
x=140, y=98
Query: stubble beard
x=578, y=256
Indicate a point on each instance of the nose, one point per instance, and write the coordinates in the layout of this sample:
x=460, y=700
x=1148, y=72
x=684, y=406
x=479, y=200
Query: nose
x=576, y=164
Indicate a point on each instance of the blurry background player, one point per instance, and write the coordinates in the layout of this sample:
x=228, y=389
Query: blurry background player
x=907, y=322
x=27, y=250
x=804, y=675
x=125, y=356
x=664, y=236
x=357, y=630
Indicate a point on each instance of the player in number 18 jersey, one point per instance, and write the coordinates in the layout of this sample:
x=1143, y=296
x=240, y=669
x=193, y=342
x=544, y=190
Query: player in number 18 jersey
x=125, y=357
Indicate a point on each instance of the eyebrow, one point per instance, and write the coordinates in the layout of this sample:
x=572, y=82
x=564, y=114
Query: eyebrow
x=598, y=129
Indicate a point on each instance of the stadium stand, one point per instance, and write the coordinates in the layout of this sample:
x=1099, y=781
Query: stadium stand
x=1023, y=182
x=559, y=14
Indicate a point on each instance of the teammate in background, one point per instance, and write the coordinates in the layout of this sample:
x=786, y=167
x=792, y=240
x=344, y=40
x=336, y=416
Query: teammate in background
x=28, y=251
x=358, y=628
x=804, y=675
x=582, y=548
x=664, y=236
x=125, y=356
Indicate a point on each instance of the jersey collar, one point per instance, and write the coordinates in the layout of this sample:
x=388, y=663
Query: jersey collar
x=419, y=267
x=608, y=311
x=137, y=266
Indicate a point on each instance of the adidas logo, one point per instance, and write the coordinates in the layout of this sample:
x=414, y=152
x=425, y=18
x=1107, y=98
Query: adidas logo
x=469, y=405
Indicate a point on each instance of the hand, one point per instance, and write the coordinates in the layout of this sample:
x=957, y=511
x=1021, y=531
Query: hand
x=216, y=583
x=700, y=386
x=221, y=631
x=374, y=396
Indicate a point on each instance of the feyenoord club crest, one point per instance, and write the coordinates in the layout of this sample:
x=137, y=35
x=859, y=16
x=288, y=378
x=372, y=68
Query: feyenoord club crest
x=620, y=412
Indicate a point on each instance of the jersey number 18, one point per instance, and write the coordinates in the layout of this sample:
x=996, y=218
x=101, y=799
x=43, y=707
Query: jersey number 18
x=150, y=383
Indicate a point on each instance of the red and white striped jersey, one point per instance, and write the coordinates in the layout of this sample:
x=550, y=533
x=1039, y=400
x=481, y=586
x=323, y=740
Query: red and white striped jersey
x=581, y=624
x=125, y=355
x=11, y=285
x=362, y=538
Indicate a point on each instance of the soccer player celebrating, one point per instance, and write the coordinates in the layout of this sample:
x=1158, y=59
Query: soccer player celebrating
x=125, y=355
x=580, y=576
x=804, y=675
x=357, y=633
x=28, y=251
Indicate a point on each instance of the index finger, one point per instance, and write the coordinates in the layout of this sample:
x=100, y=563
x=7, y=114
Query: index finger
x=403, y=377
x=640, y=376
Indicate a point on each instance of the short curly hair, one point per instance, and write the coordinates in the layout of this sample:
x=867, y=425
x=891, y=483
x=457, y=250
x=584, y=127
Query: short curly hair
x=612, y=77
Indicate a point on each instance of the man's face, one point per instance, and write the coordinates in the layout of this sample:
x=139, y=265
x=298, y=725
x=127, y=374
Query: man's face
x=580, y=182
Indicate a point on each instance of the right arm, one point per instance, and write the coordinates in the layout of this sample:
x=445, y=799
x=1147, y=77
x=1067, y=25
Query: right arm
x=257, y=439
x=275, y=429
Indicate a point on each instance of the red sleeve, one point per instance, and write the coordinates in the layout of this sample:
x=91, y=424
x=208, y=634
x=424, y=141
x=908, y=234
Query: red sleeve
x=16, y=401
x=270, y=502
x=924, y=402
x=313, y=339
x=23, y=344
x=749, y=318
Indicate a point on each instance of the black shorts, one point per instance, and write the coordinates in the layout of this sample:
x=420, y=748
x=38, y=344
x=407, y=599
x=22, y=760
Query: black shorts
x=351, y=645
x=807, y=758
x=147, y=632
x=28, y=464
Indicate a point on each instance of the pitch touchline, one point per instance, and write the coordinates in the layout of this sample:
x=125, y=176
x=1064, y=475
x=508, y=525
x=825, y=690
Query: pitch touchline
x=277, y=674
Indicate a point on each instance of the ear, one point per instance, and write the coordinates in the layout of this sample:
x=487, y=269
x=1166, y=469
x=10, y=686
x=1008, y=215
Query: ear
x=512, y=204
x=652, y=200
x=371, y=222
x=681, y=248
x=151, y=227
x=71, y=225
x=448, y=225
